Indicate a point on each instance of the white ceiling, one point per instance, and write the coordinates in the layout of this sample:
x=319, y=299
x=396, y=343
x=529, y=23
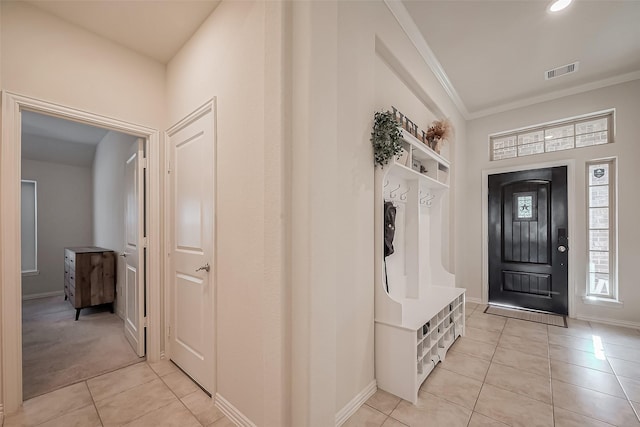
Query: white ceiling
x=495, y=53
x=490, y=55
x=54, y=140
x=157, y=29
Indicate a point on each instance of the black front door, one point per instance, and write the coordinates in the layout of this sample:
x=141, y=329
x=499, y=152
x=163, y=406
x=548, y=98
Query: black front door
x=528, y=260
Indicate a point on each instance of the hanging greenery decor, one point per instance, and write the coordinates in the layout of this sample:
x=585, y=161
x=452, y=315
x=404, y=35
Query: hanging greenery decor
x=385, y=138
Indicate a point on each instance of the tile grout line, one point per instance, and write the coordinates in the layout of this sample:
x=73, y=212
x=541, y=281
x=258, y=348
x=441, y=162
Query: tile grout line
x=511, y=391
x=486, y=373
x=585, y=388
x=94, y=403
x=180, y=400
x=621, y=386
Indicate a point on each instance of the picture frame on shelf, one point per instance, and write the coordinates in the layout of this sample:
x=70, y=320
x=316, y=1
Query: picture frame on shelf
x=416, y=165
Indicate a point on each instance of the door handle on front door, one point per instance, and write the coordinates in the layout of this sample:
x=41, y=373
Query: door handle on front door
x=205, y=267
x=562, y=248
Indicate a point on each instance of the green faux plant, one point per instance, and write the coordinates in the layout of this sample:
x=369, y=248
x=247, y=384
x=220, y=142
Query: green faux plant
x=385, y=138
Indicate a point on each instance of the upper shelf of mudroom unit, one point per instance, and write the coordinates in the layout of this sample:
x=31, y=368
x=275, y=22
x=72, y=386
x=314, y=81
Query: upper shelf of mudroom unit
x=436, y=175
x=422, y=152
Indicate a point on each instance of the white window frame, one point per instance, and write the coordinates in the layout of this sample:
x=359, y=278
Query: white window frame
x=34, y=271
x=608, y=114
x=612, y=228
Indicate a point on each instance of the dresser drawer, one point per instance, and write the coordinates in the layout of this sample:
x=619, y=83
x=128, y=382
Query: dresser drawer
x=89, y=277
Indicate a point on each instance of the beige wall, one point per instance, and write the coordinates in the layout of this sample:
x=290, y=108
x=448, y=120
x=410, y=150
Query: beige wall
x=624, y=98
x=227, y=58
x=334, y=96
x=49, y=59
x=46, y=58
x=109, y=200
x=65, y=218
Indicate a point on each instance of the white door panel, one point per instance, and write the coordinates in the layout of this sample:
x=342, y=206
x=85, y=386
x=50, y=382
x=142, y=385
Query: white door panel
x=192, y=161
x=134, y=252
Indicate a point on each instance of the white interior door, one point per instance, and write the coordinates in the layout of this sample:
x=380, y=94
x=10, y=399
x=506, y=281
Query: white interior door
x=133, y=255
x=191, y=334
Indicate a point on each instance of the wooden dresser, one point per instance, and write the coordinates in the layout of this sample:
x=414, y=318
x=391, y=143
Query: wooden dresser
x=89, y=277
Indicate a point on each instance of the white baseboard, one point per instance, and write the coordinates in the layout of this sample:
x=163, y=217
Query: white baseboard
x=606, y=321
x=473, y=300
x=231, y=412
x=350, y=408
x=42, y=295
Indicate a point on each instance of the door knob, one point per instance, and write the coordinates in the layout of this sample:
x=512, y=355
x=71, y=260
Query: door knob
x=205, y=267
x=123, y=255
x=562, y=248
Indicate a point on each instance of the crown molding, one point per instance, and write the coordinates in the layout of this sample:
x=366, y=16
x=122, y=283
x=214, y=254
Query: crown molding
x=411, y=30
x=408, y=25
x=623, y=78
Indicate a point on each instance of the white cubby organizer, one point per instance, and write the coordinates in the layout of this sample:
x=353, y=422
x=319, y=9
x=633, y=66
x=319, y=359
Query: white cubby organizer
x=418, y=310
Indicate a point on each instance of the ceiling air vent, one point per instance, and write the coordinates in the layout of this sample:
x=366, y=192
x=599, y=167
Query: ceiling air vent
x=561, y=71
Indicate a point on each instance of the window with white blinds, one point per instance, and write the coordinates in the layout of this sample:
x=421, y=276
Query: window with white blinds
x=595, y=129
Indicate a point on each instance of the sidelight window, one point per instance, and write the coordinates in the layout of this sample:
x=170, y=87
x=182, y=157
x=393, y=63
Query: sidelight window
x=601, y=229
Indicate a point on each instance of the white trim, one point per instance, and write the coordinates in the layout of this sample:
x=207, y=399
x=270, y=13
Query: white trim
x=473, y=300
x=350, y=408
x=30, y=273
x=408, y=25
x=42, y=295
x=635, y=75
x=570, y=164
x=10, y=269
x=231, y=412
x=605, y=302
x=613, y=322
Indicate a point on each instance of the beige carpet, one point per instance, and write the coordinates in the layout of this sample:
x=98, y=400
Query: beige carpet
x=58, y=351
x=531, y=316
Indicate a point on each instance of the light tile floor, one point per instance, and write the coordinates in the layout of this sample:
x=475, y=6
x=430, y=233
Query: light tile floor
x=503, y=372
x=518, y=373
x=143, y=395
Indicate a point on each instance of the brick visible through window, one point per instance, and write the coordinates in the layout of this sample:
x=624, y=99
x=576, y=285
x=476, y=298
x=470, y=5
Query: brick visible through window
x=600, y=181
x=594, y=129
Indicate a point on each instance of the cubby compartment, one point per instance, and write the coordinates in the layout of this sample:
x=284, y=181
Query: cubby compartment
x=415, y=296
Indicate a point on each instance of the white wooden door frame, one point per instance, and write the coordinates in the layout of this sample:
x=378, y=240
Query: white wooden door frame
x=570, y=164
x=10, y=271
x=168, y=236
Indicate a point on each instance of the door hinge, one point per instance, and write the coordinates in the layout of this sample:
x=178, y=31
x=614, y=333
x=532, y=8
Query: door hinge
x=144, y=242
x=168, y=331
x=146, y=322
x=145, y=163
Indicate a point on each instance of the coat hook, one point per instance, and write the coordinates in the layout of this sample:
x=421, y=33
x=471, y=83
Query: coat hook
x=403, y=196
x=392, y=192
x=429, y=198
x=386, y=183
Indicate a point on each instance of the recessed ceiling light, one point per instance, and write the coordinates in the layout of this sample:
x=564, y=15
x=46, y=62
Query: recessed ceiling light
x=558, y=5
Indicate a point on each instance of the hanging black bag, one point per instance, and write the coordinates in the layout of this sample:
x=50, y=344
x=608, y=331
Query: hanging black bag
x=389, y=233
x=389, y=227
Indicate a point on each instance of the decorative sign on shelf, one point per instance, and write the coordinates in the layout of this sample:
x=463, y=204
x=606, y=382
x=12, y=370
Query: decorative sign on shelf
x=438, y=132
x=408, y=125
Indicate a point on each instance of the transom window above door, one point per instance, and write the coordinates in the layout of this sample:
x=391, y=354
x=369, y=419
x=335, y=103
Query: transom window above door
x=567, y=134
